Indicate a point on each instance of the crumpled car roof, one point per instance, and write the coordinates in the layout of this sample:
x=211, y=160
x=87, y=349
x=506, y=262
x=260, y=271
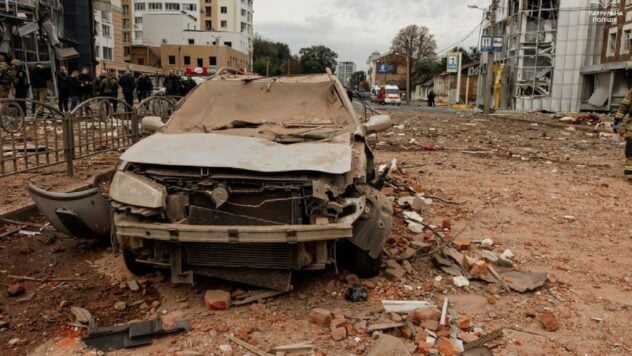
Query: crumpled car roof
x=285, y=102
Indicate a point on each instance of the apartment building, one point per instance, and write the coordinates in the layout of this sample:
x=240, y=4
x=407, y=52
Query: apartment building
x=546, y=43
x=344, y=71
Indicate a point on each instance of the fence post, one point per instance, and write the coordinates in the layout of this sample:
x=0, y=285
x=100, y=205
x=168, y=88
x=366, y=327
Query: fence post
x=135, y=124
x=69, y=151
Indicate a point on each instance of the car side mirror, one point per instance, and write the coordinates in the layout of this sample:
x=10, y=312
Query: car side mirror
x=377, y=123
x=152, y=123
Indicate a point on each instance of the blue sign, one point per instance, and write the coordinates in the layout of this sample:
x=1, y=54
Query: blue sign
x=492, y=44
x=385, y=68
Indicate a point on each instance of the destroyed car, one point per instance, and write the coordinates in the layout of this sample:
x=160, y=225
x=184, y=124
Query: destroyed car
x=250, y=179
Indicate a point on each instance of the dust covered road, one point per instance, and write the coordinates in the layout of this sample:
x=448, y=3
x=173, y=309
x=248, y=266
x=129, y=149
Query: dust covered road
x=555, y=197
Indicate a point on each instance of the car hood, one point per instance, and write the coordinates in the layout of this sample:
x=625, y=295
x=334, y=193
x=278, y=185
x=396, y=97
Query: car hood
x=238, y=152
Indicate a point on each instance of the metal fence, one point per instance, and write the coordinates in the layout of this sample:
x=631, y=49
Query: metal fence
x=51, y=137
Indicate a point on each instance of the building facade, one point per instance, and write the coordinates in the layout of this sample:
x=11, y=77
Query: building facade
x=344, y=70
x=546, y=43
x=396, y=76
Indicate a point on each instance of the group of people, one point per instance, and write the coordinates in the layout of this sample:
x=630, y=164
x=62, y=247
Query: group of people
x=78, y=86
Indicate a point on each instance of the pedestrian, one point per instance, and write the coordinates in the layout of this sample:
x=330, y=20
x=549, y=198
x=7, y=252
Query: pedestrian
x=172, y=84
x=624, y=128
x=187, y=85
x=350, y=94
x=20, y=83
x=107, y=86
x=62, y=89
x=39, y=83
x=144, y=86
x=431, y=98
x=6, y=78
x=74, y=89
x=86, y=84
x=128, y=85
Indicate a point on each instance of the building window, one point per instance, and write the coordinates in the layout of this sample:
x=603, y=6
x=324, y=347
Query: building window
x=209, y=25
x=612, y=42
x=107, y=53
x=200, y=62
x=141, y=61
x=155, y=6
x=625, y=43
x=139, y=6
x=243, y=12
x=138, y=20
x=125, y=9
x=125, y=23
x=212, y=61
x=127, y=51
x=191, y=41
x=189, y=7
x=244, y=27
x=207, y=1
x=187, y=60
x=224, y=23
x=228, y=44
x=207, y=11
x=97, y=50
x=223, y=10
x=138, y=35
x=172, y=6
x=126, y=37
x=172, y=59
x=105, y=31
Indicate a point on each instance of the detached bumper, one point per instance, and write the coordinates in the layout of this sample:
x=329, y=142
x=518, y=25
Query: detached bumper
x=128, y=229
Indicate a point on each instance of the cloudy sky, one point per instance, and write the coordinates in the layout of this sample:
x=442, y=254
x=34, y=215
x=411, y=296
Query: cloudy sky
x=356, y=28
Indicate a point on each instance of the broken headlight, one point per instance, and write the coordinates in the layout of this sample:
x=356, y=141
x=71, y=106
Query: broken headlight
x=132, y=189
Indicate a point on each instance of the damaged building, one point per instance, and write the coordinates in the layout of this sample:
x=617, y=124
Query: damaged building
x=546, y=45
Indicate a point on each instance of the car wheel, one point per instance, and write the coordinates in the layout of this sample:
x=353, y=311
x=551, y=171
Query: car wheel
x=133, y=266
x=364, y=265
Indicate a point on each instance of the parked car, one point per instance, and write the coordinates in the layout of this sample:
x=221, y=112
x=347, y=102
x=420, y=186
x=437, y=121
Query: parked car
x=250, y=179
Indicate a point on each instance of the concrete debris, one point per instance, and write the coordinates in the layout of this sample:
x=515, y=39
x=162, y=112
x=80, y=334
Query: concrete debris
x=217, y=299
x=415, y=227
x=387, y=345
x=395, y=272
x=82, y=315
x=487, y=243
x=524, y=281
x=444, y=312
x=132, y=284
x=15, y=289
x=413, y=216
x=384, y=326
x=120, y=306
x=507, y=254
x=460, y=281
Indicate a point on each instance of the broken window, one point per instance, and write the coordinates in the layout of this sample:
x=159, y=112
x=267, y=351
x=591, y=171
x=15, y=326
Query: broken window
x=625, y=42
x=612, y=43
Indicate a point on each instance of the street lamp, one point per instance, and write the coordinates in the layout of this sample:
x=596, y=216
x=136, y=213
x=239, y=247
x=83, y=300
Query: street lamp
x=490, y=55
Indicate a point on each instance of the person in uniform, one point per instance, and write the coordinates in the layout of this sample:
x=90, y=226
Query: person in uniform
x=6, y=78
x=20, y=83
x=624, y=129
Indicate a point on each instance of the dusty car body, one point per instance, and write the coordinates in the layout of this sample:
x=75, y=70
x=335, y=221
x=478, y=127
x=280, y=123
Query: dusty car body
x=250, y=179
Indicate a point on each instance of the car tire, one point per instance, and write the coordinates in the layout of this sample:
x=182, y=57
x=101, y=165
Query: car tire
x=365, y=266
x=133, y=266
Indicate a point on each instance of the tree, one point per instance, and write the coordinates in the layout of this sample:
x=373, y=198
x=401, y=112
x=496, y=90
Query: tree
x=316, y=59
x=414, y=43
x=473, y=55
x=357, y=78
x=269, y=57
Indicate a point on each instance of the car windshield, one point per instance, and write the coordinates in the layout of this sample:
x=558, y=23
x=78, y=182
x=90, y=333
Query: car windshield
x=305, y=107
x=392, y=91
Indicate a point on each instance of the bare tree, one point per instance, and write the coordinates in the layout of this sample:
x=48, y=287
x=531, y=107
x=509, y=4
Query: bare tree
x=415, y=43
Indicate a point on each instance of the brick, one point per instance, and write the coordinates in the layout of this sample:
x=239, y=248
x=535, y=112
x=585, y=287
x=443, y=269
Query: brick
x=387, y=345
x=15, y=289
x=462, y=243
x=422, y=314
x=217, y=299
x=464, y=322
x=467, y=337
x=432, y=325
x=320, y=317
x=339, y=333
x=337, y=323
x=548, y=320
x=395, y=273
x=406, y=332
x=479, y=268
x=445, y=347
x=423, y=347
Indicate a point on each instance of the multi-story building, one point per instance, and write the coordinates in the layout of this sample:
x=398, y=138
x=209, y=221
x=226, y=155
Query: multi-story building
x=388, y=69
x=546, y=43
x=344, y=71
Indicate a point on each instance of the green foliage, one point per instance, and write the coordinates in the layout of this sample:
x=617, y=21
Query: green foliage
x=316, y=59
x=270, y=55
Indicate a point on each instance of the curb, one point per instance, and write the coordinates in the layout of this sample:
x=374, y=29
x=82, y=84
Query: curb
x=26, y=211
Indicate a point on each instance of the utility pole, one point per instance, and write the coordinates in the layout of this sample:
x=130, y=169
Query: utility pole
x=217, y=61
x=490, y=62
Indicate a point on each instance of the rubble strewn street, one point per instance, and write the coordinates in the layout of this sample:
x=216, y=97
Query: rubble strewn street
x=510, y=234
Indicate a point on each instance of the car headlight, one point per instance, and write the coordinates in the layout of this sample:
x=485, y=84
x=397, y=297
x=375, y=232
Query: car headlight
x=132, y=189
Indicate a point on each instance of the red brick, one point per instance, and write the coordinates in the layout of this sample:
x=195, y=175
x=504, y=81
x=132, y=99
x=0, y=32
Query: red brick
x=548, y=320
x=337, y=323
x=445, y=347
x=320, y=317
x=421, y=314
x=467, y=337
x=423, y=347
x=464, y=322
x=339, y=333
x=461, y=243
x=217, y=299
x=479, y=268
x=15, y=289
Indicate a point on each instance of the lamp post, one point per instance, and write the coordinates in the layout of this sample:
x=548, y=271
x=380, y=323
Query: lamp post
x=490, y=58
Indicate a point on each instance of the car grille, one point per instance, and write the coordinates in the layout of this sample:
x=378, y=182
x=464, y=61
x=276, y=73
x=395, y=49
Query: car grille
x=278, y=256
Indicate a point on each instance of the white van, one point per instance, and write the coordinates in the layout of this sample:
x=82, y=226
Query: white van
x=392, y=95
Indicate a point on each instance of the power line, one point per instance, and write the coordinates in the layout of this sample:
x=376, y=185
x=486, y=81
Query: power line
x=459, y=42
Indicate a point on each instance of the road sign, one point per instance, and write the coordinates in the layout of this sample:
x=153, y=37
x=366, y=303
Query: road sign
x=453, y=62
x=385, y=68
x=497, y=43
x=486, y=44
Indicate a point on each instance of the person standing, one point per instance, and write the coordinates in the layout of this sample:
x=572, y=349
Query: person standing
x=39, y=83
x=86, y=84
x=172, y=84
x=62, y=89
x=20, y=83
x=74, y=89
x=431, y=98
x=624, y=129
x=107, y=86
x=128, y=85
x=144, y=87
x=187, y=85
x=6, y=78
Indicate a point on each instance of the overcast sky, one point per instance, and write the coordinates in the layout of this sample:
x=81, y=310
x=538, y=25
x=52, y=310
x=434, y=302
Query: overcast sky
x=356, y=28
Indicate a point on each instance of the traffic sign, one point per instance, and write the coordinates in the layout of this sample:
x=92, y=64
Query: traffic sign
x=486, y=44
x=453, y=62
x=497, y=43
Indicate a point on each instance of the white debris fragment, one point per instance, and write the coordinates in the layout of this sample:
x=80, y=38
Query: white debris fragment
x=487, y=243
x=438, y=278
x=460, y=281
x=415, y=227
x=569, y=218
x=507, y=254
x=430, y=340
x=413, y=216
x=225, y=348
x=413, y=141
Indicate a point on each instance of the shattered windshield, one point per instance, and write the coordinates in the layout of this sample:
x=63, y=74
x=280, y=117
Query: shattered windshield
x=284, y=110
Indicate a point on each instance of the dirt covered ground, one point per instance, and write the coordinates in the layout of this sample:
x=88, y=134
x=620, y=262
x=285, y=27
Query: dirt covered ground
x=554, y=196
